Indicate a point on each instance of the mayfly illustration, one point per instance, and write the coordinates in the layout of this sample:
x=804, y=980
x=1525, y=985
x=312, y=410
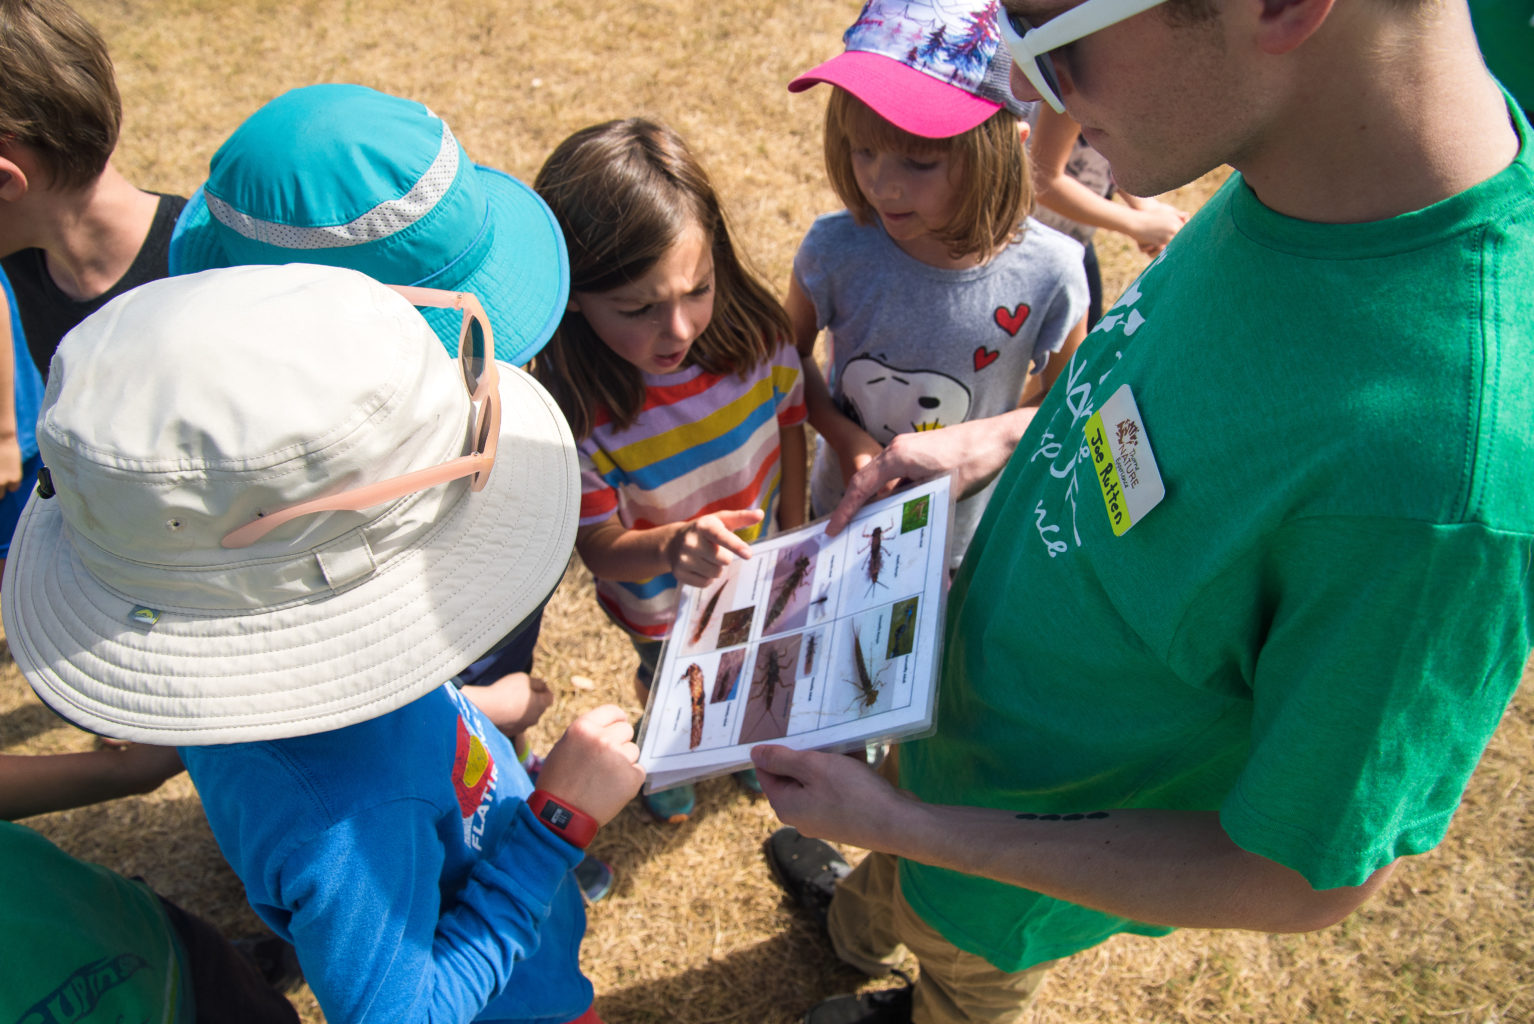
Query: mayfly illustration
x=708, y=613
x=695, y=691
x=819, y=603
x=809, y=653
x=868, y=690
x=796, y=578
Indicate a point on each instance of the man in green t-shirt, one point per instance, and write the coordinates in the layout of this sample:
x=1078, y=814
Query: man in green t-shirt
x=1505, y=30
x=1252, y=592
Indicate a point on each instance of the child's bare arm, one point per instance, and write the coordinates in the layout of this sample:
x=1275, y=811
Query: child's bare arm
x=10, y=445
x=696, y=551
x=41, y=783
x=853, y=445
x=1150, y=223
x=791, y=501
x=1038, y=385
x=514, y=702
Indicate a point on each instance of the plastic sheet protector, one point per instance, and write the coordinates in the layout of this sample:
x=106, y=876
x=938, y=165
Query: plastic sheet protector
x=815, y=642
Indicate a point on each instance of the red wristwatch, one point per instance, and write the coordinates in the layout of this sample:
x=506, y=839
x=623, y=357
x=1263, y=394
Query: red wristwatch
x=574, y=826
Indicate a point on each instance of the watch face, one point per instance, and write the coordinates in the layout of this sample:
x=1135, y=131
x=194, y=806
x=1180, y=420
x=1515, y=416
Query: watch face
x=557, y=816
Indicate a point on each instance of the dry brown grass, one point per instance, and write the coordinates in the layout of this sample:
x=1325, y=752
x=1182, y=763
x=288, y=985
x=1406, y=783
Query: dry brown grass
x=695, y=931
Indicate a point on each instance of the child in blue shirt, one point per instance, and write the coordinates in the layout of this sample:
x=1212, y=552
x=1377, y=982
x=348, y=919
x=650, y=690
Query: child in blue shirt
x=319, y=516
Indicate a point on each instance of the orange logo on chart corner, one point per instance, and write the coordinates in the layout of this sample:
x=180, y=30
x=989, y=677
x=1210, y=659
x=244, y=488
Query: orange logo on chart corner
x=471, y=770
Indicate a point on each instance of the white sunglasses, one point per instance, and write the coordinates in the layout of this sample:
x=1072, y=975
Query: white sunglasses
x=1030, y=46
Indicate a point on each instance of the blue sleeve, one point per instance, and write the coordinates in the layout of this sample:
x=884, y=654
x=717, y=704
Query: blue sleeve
x=26, y=382
x=377, y=940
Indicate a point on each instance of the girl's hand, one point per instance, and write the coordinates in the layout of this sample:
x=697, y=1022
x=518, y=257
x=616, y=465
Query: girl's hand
x=701, y=551
x=514, y=702
x=594, y=766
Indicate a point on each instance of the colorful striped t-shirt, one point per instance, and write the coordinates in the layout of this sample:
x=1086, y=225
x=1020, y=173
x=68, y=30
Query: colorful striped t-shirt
x=703, y=442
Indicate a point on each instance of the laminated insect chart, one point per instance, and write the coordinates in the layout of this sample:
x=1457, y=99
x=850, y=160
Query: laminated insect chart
x=814, y=642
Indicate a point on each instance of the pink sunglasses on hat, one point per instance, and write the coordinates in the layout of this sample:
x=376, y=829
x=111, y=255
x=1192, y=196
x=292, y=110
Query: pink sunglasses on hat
x=476, y=359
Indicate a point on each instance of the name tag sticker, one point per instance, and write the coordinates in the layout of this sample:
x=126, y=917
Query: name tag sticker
x=1124, y=463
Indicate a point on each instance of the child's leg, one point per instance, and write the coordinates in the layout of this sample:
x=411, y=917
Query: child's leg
x=507, y=704
x=226, y=986
x=513, y=703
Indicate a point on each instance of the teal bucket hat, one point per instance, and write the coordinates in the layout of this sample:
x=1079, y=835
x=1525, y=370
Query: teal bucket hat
x=346, y=176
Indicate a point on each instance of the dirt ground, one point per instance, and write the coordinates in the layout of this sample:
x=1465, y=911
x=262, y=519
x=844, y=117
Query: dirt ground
x=695, y=931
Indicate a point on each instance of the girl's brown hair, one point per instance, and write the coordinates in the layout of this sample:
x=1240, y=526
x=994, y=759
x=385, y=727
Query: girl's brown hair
x=623, y=193
x=994, y=185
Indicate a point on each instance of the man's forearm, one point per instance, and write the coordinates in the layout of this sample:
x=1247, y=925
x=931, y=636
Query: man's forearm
x=1176, y=868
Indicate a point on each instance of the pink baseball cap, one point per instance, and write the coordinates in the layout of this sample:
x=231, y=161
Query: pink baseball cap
x=933, y=68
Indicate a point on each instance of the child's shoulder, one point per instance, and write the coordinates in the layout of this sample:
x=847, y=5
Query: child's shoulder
x=1039, y=239
x=837, y=227
x=836, y=240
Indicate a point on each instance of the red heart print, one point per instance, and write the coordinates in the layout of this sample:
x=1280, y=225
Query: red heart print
x=1012, y=320
x=985, y=356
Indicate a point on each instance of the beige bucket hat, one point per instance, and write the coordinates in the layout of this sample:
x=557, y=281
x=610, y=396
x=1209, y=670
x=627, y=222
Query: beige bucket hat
x=191, y=406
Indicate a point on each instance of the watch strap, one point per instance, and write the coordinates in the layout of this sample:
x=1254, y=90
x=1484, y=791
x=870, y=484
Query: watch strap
x=571, y=824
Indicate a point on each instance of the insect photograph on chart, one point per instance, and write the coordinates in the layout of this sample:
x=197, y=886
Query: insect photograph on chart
x=790, y=591
x=708, y=622
x=873, y=554
x=735, y=626
x=728, y=674
x=902, y=634
x=859, y=682
x=772, y=690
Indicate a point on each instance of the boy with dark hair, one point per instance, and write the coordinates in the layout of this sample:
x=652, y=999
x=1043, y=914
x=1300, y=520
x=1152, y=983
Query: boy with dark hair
x=74, y=232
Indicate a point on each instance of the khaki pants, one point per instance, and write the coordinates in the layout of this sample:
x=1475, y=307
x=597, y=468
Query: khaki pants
x=870, y=922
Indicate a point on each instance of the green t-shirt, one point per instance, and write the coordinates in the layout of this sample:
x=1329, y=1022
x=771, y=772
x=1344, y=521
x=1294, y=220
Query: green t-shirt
x=1505, y=30
x=1318, y=628
x=83, y=944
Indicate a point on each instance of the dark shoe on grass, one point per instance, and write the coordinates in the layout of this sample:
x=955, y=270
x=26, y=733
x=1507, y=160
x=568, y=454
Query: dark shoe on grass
x=807, y=869
x=881, y=1006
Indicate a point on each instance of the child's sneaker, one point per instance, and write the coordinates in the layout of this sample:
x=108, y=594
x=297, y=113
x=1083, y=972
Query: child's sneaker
x=748, y=781
x=671, y=806
x=807, y=869
x=594, y=877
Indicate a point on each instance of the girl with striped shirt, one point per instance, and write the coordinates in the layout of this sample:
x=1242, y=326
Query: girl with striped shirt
x=675, y=366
